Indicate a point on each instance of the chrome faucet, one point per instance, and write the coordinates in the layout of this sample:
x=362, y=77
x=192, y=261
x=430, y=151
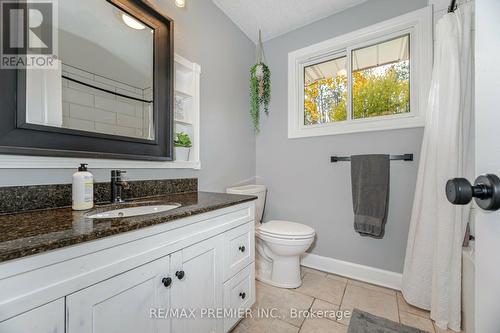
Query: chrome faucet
x=117, y=185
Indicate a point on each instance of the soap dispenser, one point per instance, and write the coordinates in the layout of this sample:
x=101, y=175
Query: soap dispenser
x=83, y=189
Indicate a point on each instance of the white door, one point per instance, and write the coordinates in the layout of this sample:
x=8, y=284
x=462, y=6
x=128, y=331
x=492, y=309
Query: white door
x=197, y=286
x=487, y=161
x=123, y=303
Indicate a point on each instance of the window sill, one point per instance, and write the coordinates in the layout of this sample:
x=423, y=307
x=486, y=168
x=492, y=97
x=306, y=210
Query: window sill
x=356, y=126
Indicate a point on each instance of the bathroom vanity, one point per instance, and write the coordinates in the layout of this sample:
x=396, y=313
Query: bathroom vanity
x=61, y=271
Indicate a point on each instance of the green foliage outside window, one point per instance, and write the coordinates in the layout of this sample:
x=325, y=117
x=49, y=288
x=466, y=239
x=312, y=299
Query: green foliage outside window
x=325, y=100
x=378, y=91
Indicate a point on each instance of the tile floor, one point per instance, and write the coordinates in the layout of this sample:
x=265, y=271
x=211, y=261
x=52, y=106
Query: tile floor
x=322, y=291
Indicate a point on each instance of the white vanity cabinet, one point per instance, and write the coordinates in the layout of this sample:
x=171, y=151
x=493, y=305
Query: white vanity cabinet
x=140, y=300
x=137, y=281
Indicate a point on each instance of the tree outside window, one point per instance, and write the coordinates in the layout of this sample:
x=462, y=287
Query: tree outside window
x=380, y=84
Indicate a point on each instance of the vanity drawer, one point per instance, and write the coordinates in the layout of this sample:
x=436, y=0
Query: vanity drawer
x=239, y=249
x=239, y=293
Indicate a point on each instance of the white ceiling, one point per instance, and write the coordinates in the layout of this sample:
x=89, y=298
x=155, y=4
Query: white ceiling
x=277, y=17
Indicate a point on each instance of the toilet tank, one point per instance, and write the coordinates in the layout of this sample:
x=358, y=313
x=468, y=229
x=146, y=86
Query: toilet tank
x=257, y=190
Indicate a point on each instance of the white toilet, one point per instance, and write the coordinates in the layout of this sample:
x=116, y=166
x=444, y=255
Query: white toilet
x=279, y=244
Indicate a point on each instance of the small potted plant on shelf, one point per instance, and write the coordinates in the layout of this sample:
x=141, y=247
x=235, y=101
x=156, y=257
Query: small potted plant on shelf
x=182, y=143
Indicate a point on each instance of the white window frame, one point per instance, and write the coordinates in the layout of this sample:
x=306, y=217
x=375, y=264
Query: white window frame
x=416, y=24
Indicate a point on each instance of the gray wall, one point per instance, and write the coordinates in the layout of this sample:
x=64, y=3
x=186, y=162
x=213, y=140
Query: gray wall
x=304, y=186
x=203, y=34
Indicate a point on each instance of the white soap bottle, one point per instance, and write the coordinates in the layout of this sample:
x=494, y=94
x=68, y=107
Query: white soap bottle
x=83, y=189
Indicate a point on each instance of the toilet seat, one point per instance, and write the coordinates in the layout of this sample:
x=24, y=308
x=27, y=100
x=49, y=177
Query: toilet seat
x=285, y=230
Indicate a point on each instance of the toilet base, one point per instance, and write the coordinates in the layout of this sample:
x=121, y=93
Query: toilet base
x=275, y=284
x=283, y=273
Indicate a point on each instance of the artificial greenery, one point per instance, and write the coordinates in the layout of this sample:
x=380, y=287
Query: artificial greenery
x=260, y=92
x=182, y=140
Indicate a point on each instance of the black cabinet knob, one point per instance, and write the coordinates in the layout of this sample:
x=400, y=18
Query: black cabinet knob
x=242, y=248
x=486, y=191
x=243, y=295
x=167, y=281
x=180, y=274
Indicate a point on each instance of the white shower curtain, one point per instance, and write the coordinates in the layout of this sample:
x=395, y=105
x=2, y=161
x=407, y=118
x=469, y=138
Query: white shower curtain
x=432, y=271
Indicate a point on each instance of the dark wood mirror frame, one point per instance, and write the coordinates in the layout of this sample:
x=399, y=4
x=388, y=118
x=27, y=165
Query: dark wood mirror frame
x=21, y=138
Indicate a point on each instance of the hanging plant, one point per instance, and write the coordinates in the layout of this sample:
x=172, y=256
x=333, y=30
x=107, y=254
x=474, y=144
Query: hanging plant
x=260, y=87
x=260, y=92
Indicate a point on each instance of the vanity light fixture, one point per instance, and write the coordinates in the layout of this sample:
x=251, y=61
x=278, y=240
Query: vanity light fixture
x=132, y=22
x=180, y=3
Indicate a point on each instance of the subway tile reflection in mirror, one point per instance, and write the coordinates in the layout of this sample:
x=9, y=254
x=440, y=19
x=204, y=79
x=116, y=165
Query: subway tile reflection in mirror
x=105, y=79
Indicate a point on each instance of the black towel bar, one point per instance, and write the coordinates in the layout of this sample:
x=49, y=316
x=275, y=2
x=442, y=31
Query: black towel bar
x=404, y=157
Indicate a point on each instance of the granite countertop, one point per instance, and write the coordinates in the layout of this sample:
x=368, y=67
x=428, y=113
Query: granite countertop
x=28, y=233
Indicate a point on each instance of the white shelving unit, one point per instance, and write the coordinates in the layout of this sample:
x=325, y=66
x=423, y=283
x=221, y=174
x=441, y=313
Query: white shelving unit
x=187, y=97
x=187, y=106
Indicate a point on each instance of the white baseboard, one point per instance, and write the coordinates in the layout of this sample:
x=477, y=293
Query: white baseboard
x=354, y=271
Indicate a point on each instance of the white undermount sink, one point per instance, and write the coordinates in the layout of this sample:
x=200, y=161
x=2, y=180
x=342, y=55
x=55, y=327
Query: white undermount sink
x=132, y=211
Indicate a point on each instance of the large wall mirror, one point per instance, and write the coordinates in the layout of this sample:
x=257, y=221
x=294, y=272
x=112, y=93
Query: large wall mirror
x=111, y=94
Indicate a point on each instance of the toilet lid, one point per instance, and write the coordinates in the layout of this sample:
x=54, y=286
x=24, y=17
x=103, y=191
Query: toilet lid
x=285, y=228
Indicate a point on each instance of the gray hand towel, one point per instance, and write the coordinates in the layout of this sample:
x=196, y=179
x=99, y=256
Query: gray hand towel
x=370, y=193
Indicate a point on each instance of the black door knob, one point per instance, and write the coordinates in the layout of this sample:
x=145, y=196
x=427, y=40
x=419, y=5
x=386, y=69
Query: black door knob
x=166, y=281
x=180, y=274
x=459, y=191
x=242, y=248
x=243, y=295
x=486, y=191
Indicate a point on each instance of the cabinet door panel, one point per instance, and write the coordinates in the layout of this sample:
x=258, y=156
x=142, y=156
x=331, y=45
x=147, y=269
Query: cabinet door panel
x=123, y=303
x=48, y=318
x=200, y=288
